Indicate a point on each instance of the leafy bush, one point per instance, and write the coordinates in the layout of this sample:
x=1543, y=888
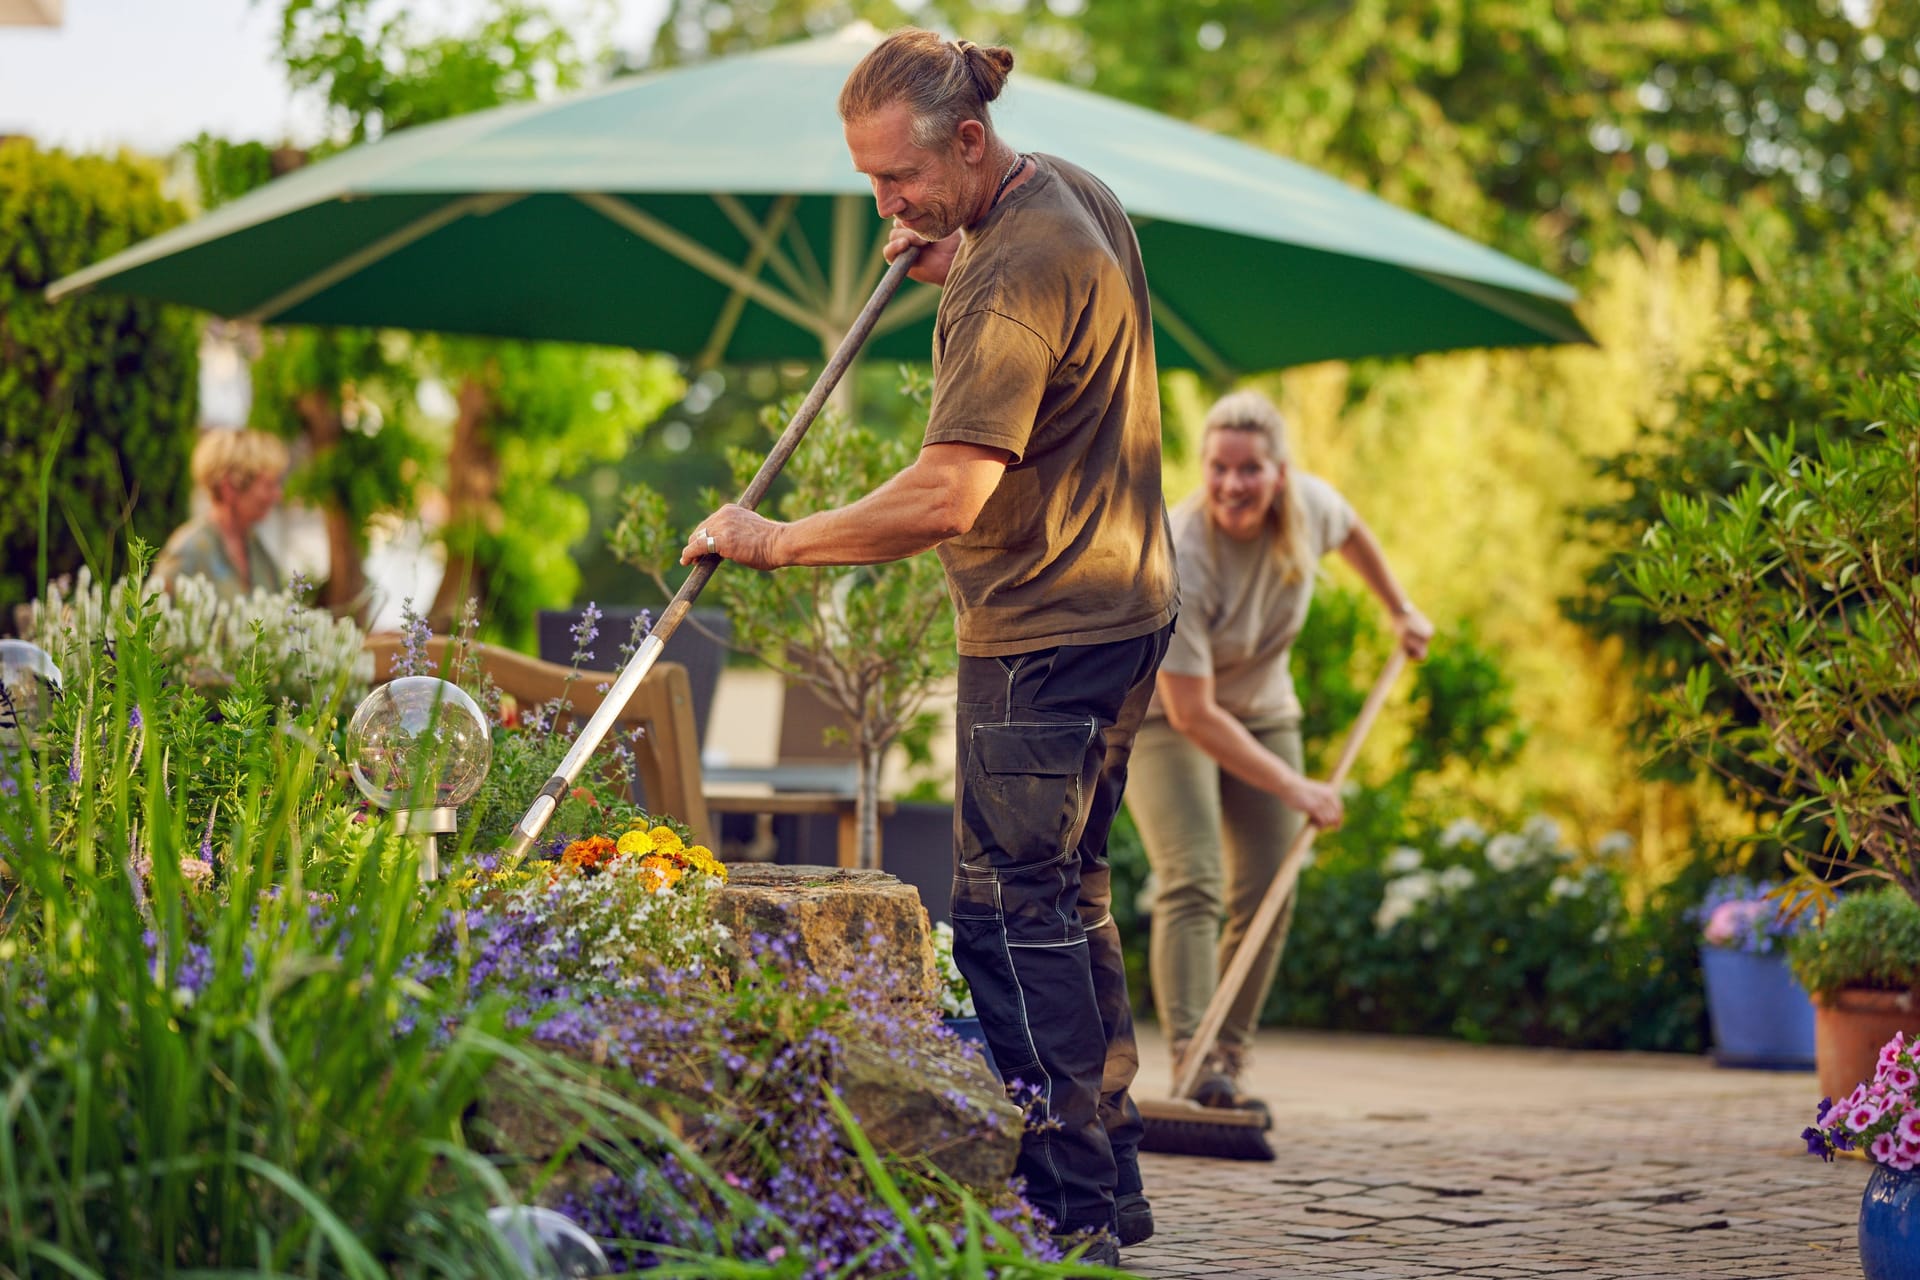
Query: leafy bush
x=1868, y=939
x=98, y=394
x=1798, y=587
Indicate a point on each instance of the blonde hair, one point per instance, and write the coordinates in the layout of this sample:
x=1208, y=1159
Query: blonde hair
x=236, y=458
x=941, y=82
x=1254, y=414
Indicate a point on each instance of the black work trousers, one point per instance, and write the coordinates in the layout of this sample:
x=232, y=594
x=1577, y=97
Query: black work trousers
x=1044, y=739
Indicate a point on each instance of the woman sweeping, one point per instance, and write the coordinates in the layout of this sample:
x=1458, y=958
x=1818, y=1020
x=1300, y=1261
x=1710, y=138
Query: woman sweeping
x=1217, y=788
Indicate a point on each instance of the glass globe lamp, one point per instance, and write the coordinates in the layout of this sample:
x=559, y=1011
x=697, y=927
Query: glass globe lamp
x=419, y=747
x=549, y=1245
x=29, y=682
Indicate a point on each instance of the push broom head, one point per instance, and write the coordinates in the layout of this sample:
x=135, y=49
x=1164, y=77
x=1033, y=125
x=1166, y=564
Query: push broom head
x=1179, y=1127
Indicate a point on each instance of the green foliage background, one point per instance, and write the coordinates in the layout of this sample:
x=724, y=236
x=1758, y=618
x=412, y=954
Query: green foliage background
x=98, y=394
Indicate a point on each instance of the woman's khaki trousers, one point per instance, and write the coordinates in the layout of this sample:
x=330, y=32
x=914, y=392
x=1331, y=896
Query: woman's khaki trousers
x=1215, y=844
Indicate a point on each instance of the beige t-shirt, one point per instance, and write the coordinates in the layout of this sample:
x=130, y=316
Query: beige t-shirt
x=1043, y=346
x=1238, y=617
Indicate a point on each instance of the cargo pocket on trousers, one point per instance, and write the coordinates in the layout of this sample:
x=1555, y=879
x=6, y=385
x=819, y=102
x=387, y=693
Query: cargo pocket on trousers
x=1021, y=795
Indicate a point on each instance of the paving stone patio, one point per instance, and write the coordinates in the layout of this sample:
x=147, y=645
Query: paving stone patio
x=1402, y=1159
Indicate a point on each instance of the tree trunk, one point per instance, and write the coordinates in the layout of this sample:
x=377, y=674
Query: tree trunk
x=867, y=803
x=473, y=489
x=346, y=572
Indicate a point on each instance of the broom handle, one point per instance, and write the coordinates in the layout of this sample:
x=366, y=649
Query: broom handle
x=591, y=734
x=1241, y=966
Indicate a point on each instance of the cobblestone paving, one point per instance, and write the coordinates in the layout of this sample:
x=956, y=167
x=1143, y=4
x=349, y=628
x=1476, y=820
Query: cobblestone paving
x=1403, y=1159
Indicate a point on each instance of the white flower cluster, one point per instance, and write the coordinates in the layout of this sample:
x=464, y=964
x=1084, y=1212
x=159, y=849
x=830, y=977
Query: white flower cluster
x=620, y=920
x=1537, y=844
x=956, y=998
x=309, y=652
x=1406, y=894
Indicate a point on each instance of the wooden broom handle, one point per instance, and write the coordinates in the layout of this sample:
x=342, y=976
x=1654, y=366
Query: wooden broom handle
x=1241, y=966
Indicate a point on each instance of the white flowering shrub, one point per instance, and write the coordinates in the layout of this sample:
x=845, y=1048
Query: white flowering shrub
x=303, y=653
x=1508, y=936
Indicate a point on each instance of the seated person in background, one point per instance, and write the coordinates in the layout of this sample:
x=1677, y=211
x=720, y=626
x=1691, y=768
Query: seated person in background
x=241, y=472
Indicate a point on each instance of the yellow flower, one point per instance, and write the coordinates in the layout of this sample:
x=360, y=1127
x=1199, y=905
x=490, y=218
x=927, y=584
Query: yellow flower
x=635, y=842
x=700, y=859
x=665, y=841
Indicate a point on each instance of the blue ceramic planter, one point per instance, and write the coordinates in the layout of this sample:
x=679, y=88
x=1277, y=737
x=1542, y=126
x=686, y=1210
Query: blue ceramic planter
x=970, y=1030
x=1890, y=1225
x=1761, y=1017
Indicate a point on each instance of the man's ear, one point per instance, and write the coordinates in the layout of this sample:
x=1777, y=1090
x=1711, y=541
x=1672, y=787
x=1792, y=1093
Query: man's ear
x=972, y=141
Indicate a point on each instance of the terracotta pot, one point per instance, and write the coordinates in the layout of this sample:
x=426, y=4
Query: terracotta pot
x=1849, y=1026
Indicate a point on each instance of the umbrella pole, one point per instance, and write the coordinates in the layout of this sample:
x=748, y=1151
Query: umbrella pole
x=541, y=811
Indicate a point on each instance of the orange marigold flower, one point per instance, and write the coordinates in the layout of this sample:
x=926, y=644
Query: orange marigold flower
x=593, y=852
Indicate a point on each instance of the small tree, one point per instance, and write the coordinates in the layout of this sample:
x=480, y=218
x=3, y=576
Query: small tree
x=1803, y=588
x=871, y=641
x=99, y=393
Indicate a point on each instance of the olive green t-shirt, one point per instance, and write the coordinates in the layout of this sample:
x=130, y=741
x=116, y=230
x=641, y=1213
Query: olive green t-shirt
x=1239, y=614
x=1043, y=346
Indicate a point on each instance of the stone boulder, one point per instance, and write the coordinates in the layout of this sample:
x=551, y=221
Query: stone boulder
x=943, y=1105
x=925, y=1095
x=841, y=920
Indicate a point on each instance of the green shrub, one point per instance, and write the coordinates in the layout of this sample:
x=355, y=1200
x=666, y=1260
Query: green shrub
x=1798, y=587
x=239, y=1036
x=214, y=1047
x=1868, y=939
x=99, y=391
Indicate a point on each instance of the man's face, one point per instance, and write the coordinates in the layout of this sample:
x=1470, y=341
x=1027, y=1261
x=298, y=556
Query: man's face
x=925, y=191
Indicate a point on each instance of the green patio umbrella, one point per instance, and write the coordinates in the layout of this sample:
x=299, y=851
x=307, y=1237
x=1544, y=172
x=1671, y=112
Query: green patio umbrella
x=713, y=212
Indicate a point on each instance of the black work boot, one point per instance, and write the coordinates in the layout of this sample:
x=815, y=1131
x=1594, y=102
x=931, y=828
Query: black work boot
x=1133, y=1216
x=1101, y=1248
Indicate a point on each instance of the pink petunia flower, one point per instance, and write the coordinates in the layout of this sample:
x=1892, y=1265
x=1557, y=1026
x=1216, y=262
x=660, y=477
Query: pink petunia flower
x=1884, y=1148
x=1861, y=1118
x=1890, y=1051
x=1908, y=1130
x=1902, y=1079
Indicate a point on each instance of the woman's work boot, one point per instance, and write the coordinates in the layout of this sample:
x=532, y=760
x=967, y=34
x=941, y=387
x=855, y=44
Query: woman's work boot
x=1219, y=1082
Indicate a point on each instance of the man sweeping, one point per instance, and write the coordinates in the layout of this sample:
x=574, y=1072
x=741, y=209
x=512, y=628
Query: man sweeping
x=1039, y=483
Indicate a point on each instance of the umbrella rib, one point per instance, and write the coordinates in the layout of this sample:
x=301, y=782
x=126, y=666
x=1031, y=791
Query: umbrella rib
x=846, y=264
x=876, y=261
x=905, y=311
x=803, y=258
x=1504, y=302
x=777, y=219
x=729, y=317
x=385, y=247
x=703, y=259
x=1183, y=333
